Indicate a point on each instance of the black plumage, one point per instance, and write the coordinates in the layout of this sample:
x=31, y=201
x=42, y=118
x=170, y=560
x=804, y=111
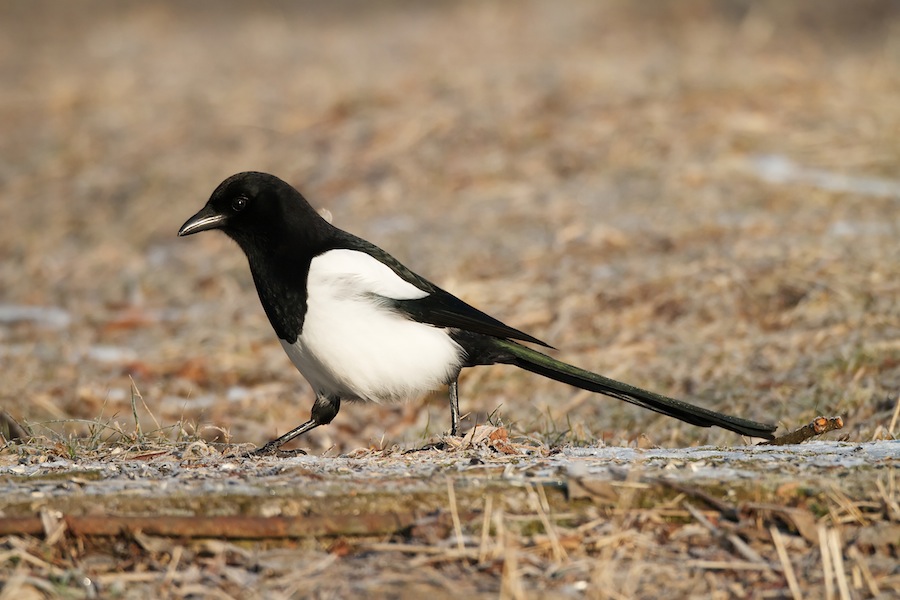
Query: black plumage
x=305, y=268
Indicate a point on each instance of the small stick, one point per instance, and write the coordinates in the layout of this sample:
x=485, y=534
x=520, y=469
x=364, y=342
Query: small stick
x=818, y=426
x=737, y=544
x=726, y=509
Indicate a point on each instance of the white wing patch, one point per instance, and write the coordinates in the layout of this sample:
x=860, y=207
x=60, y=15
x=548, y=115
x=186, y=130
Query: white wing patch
x=358, y=348
x=357, y=272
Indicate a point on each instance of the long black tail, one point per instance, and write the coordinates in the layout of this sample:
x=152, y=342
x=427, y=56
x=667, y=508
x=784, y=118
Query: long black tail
x=536, y=362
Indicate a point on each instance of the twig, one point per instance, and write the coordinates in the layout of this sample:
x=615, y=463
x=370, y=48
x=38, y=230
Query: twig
x=818, y=426
x=726, y=509
x=408, y=548
x=727, y=565
x=739, y=545
x=800, y=519
x=448, y=555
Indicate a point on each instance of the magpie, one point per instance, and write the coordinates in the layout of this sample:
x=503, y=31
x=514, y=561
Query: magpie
x=360, y=326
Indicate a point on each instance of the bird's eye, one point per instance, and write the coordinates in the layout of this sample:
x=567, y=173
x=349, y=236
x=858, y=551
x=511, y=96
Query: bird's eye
x=239, y=204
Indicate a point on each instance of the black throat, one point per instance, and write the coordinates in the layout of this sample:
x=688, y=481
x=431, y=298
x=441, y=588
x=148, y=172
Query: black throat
x=281, y=286
x=279, y=259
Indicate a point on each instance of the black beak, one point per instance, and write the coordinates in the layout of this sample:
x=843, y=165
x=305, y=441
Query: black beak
x=206, y=219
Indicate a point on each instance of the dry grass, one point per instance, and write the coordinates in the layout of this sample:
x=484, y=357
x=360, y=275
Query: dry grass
x=171, y=520
x=591, y=175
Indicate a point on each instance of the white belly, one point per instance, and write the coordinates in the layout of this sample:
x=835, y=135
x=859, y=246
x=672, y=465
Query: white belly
x=356, y=349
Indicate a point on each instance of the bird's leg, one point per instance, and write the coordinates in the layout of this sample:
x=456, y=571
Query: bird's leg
x=324, y=410
x=454, y=407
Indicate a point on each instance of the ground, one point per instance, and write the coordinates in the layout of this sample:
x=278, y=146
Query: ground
x=699, y=198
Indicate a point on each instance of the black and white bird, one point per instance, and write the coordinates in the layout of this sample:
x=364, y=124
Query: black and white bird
x=360, y=326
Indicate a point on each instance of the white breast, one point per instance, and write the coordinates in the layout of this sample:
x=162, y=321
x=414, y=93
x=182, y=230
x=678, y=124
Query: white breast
x=356, y=347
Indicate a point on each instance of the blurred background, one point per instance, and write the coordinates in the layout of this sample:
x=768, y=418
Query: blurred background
x=697, y=197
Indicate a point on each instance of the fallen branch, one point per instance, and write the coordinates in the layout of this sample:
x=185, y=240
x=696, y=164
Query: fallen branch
x=818, y=426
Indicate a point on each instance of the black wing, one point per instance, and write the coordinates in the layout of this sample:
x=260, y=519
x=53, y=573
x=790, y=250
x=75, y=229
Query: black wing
x=439, y=308
x=443, y=309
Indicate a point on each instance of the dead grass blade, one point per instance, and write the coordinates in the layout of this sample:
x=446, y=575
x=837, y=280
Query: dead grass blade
x=837, y=557
x=889, y=497
x=867, y=577
x=542, y=507
x=786, y=565
x=827, y=568
x=454, y=514
x=892, y=427
x=511, y=585
x=53, y=525
x=486, y=529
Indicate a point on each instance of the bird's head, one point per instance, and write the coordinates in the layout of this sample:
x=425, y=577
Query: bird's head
x=255, y=209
